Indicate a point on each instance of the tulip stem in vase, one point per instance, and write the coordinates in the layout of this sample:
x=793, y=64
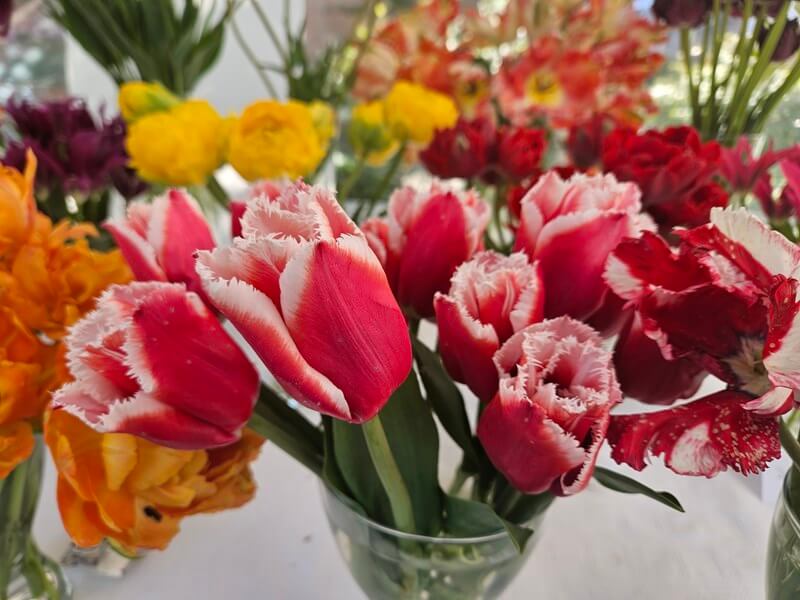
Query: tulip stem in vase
x=391, y=171
x=352, y=179
x=789, y=443
x=217, y=192
x=389, y=474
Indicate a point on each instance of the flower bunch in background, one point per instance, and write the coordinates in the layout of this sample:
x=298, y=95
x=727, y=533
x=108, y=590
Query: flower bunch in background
x=81, y=157
x=49, y=278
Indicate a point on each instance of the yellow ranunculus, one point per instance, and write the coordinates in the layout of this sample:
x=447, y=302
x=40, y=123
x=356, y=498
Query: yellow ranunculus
x=181, y=146
x=369, y=134
x=140, y=98
x=414, y=112
x=275, y=139
x=324, y=121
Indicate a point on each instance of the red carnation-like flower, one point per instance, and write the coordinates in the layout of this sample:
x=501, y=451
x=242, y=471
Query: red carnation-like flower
x=520, y=151
x=462, y=151
x=670, y=167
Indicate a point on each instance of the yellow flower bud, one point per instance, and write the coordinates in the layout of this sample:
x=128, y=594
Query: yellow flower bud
x=324, y=121
x=414, y=112
x=139, y=98
x=275, y=139
x=368, y=133
x=182, y=146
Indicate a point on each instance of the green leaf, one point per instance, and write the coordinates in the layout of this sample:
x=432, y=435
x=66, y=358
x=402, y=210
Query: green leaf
x=414, y=442
x=448, y=404
x=626, y=485
x=467, y=518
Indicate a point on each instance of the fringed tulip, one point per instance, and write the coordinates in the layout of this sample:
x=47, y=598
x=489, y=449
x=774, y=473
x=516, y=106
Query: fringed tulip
x=159, y=240
x=305, y=290
x=726, y=300
x=545, y=426
x=570, y=227
x=491, y=298
x=703, y=437
x=426, y=236
x=271, y=188
x=153, y=361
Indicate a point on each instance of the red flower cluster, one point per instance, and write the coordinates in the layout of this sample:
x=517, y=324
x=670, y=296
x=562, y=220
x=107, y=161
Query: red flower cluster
x=476, y=148
x=674, y=170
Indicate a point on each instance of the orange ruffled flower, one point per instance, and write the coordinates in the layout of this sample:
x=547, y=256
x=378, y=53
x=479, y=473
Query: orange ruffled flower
x=49, y=277
x=134, y=492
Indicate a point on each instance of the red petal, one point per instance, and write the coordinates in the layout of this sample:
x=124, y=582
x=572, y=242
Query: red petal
x=340, y=312
x=703, y=437
x=139, y=255
x=782, y=348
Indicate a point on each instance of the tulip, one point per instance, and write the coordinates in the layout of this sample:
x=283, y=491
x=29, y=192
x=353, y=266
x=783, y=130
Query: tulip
x=725, y=300
x=682, y=13
x=461, y=151
x=491, y=298
x=271, y=188
x=703, y=437
x=570, y=227
x=519, y=152
x=159, y=241
x=426, y=236
x=306, y=292
x=153, y=361
x=544, y=428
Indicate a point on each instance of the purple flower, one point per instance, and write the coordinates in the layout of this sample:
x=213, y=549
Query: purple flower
x=6, y=7
x=76, y=152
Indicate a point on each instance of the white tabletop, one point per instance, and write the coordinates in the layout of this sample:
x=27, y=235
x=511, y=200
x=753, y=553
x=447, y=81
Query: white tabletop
x=599, y=545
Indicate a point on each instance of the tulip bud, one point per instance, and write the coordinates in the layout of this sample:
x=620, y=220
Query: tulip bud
x=139, y=98
x=545, y=426
x=491, y=297
x=159, y=241
x=304, y=289
x=153, y=361
x=427, y=235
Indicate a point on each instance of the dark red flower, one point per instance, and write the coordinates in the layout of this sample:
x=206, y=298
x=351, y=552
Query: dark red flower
x=76, y=153
x=669, y=166
x=520, y=151
x=462, y=151
x=788, y=43
x=682, y=13
x=694, y=209
x=585, y=142
x=6, y=8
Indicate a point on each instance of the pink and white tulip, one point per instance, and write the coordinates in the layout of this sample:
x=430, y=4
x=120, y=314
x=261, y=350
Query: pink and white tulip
x=570, y=227
x=153, y=361
x=545, y=426
x=701, y=438
x=268, y=187
x=305, y=290
x=426, y=236
x=491, y=297
x=159, y=240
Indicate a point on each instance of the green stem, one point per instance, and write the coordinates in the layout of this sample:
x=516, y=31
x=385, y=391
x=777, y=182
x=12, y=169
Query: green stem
x=286, y=442
x=217, y=192
x=507, y=500
x=391, y=171
x=789, y=443
x=352, y=179
x=389, y=474
x=772, y=101
x=262, y=16
x=686, y=50
x=252, y=58
x=458, y=482
x=709, y=127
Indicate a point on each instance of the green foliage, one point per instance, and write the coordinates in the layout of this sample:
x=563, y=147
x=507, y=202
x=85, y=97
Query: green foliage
x=625, y=485
x=148, y=40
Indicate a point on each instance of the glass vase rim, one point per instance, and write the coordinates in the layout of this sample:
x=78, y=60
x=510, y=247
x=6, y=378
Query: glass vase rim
x=794, y=519
x=346, y=502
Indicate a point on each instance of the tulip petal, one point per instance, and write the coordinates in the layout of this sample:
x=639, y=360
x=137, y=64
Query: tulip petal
x=782, y=346
x=139, y=255
x=177, y=229
x=340, y=312
x=157, y=345
x=703, y=437
x=258, y=320
x=777, y=401
x=467, y=347
x=572, y=251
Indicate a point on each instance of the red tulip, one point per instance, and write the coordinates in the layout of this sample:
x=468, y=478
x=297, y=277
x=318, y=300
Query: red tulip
x=306, y=292
x=702, y=437
x=425, y=237
x=491, y=297
x=519, y=152
x=545, y=426
x=159, y=241
x=153, y=361
x=570, y=227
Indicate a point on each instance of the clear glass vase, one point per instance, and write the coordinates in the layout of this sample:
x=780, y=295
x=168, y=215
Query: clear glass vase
x=783, y=551
x=26, y=573
x=392, y=565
